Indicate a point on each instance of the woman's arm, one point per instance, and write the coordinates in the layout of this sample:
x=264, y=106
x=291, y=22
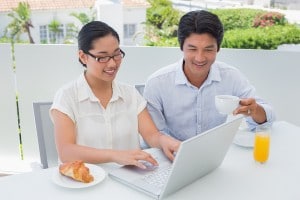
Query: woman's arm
x=68, y=150
x=154, y=138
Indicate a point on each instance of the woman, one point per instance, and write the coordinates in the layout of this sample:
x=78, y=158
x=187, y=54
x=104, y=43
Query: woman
x=98, y=120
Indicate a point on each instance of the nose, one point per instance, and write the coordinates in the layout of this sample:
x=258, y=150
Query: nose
x=111, y=63
x=200, y=55
x=111, y=60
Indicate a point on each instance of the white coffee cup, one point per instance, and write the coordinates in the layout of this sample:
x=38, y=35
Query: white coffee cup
x=226, y=104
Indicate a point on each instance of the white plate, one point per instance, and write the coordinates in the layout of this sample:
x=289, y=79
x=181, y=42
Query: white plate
x=244, y=139
x=61, y=180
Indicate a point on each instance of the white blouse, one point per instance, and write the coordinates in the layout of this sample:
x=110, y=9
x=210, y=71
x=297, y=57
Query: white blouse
x=115, y=127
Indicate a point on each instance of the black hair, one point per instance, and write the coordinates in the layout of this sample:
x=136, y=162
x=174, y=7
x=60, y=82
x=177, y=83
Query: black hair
x=92, y=31
x=200, y=21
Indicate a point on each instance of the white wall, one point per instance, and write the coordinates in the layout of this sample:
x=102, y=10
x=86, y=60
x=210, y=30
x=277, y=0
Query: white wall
x=9, y=141
x=112, y=14
x=116, y=14
x=140, y=62
x=262, y=3
x=135, y=16
x=42, y=69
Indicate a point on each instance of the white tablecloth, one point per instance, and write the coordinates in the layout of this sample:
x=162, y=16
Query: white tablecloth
x=238, y=178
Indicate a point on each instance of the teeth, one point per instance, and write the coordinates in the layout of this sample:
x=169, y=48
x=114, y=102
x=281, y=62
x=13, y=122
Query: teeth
x=200, y=65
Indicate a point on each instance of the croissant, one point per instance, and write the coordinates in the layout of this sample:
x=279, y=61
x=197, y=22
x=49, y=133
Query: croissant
x=77, y=171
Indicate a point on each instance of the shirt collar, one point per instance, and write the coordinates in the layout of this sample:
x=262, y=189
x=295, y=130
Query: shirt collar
x=117, y=94
x=180, y=76
x=85, y=91
x=214, y=74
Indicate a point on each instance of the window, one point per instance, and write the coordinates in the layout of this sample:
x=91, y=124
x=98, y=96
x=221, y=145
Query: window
x=63, y=34
x=129, y=30
x=43, y=34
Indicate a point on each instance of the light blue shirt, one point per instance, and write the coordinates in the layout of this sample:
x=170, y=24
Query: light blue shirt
x=182, y=110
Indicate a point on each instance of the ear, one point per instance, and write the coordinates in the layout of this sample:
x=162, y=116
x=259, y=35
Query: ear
x=82, y=56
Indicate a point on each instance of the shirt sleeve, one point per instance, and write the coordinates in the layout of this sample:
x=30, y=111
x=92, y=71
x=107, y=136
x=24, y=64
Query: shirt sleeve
x=154, y=106
x=141, y=102
x=62, y=102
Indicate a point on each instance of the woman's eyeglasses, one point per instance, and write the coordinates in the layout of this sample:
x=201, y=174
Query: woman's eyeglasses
x=105, y=59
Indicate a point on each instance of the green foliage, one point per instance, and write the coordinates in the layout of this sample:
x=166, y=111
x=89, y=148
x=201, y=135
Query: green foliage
x=21, y=22
x=54, y=27
x=162, y=24
x=244, y=28
x=258, y=30
x=269, y=19
x=261, y=38
x=44, y=41
x=237, y=18
x=5, y=39
x=161, y=14
x=83, y=17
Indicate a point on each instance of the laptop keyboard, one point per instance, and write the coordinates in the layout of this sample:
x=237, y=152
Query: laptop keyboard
x=158, y=177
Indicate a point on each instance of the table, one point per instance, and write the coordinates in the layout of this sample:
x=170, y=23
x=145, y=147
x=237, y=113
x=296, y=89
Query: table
x=238, y=178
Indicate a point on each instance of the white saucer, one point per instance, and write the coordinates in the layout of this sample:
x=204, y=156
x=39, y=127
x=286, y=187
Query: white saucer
x=61, y=180
x=244, y=138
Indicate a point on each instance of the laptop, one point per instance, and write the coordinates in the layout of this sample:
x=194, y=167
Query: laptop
x=196, y=157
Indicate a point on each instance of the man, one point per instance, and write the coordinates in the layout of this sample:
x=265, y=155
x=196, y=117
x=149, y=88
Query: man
x=181, y=96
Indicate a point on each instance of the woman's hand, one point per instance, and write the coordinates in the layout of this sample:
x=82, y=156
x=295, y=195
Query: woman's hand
x=134, y=157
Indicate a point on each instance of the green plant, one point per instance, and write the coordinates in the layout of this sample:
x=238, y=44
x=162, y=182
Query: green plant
x=162, y=24
x=271, y=28
x=237, y=18
x=21, y=22
x=269, y=19
x=13, y=58
x=261, y=38
x=5, y=39
x=161, y=13
x=83, y=17
x=54, y=28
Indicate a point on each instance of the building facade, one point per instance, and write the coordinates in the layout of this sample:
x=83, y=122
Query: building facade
x=126, y=16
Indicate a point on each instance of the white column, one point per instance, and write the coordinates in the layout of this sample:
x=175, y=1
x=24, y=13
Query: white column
x=111, y=12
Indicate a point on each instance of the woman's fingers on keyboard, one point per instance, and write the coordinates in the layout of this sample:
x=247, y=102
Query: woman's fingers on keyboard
x=147, y=165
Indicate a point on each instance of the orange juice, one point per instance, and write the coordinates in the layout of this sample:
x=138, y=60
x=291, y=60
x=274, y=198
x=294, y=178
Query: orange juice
x=261, y=147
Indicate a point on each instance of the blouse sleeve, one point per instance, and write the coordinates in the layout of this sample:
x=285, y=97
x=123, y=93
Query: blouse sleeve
x=63, y=102
x=141, y=102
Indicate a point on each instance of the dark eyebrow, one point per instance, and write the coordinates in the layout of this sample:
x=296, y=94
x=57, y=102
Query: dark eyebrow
x=207, y=47
x=191, y=46
x=210, y=46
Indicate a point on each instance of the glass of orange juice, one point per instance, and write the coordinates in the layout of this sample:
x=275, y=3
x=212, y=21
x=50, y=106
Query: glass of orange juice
x=262, y=143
